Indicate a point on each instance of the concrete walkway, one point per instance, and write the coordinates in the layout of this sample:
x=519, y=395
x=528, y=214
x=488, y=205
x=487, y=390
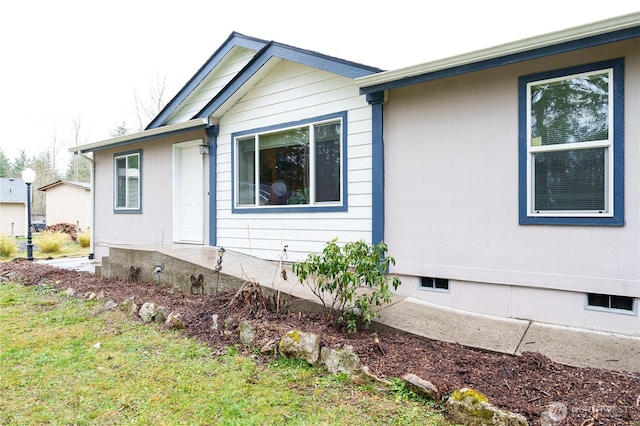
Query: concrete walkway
x=565, y=345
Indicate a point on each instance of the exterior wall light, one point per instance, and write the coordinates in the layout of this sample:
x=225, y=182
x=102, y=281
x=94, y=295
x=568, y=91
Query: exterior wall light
x=204, y=149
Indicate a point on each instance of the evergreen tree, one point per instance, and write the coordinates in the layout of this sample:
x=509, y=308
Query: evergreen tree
x=120, y=130
x=5, y=166
x=79, y=169
x=19, y=164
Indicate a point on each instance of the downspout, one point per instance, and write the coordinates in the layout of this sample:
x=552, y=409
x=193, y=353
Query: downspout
x=92, y=204
x=377, y=100
x=212, y=132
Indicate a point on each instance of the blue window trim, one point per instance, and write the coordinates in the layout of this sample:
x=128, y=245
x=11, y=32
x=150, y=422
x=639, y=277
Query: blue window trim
x=617, y=219
x=302, y=209
x=115, y=183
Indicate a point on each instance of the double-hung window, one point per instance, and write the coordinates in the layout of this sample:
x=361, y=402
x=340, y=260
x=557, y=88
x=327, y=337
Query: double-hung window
x=300, y=165
x=127, y=184
x=571, y=136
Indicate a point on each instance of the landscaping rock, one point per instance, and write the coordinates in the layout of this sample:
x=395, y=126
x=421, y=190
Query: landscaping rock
x=110, y=304
x=227, y=326
x=160, y=315
x=300, y=345
x=470, y=407
x=70, y=292
x=421, y=386
x=247, y=333
x=174, y=321
x=269, y=348
x=339, y=360
x=147, y=311
x=129, y=306
x=363, y=377
x=214, y=322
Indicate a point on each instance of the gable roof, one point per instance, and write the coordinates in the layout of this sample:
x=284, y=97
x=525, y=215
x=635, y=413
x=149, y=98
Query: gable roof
x=266, y=51
x=268, y=57
x=267, y=54
x=594, y=34
x=234, y=41
x=82, y=185
x=13, y=190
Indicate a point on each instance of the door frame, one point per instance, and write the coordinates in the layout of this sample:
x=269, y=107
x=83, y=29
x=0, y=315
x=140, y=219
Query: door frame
x=176, y=198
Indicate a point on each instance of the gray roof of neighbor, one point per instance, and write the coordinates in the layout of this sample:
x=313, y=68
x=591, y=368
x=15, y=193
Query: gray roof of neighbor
x=13, y=190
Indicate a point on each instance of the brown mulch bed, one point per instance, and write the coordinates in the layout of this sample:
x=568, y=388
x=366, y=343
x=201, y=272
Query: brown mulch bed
x=525, y=384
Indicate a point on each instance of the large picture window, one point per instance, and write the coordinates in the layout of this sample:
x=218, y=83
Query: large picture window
x=293, y=167
x=127, y=185
x=573, y=146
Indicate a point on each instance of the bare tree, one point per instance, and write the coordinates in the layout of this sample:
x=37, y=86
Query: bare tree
x=45, y=174
x=54, y=150
x=147, y=109
x=79, y=167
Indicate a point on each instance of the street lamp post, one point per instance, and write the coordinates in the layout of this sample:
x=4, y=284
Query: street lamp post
x=29, y=175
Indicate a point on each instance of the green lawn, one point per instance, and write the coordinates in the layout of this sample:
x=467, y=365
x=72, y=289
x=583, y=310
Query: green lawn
x=53, y=372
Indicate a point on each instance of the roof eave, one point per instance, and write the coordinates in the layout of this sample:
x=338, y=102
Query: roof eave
x=141, y=136
x=234, y=40
x=272, y=53
x=81, y=185
x=395, y=78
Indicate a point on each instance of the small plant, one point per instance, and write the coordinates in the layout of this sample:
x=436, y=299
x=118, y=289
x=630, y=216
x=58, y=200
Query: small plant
x=349, y=280
x=7, y=246
x=51, y=241
x=402, y=392
x=84, y=239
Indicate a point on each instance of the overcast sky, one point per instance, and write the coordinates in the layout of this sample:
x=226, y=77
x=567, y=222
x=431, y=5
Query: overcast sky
x=67, y=59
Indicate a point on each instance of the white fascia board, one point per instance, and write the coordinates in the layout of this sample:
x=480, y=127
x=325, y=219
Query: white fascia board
x=550, y=39
x=145, y=134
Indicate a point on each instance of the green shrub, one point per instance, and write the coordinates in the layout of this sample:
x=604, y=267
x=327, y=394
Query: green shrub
x=338, y=275
x=51, y=241
x=7, y=245
x=84, y=239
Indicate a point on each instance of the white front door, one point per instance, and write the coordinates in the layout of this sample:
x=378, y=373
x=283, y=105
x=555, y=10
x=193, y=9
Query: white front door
x=188, y=195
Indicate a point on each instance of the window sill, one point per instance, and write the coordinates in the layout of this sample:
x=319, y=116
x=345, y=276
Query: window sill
x=632, y=313
x=577, y=221
x=290, y=209
x=137, y=211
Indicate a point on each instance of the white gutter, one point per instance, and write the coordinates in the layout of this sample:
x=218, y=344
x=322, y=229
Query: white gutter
x=550, y=39
x=145, y=134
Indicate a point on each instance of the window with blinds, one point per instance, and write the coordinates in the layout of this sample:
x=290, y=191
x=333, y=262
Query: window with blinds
x=127, y=185
x=572, y=165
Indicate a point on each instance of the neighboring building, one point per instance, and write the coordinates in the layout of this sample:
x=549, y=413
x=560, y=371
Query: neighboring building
x=13, y=207
x=289, y=158
x=512, y=177
x=505, y=181
x=68, y=202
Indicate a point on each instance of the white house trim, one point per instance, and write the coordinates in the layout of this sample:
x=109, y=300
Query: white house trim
x=525, y=45
x=140, y=136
